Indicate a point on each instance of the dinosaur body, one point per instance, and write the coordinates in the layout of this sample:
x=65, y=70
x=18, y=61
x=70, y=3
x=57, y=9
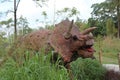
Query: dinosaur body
x=65, y=39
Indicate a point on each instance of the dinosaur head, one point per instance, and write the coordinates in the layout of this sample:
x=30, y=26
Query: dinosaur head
x=81, y=42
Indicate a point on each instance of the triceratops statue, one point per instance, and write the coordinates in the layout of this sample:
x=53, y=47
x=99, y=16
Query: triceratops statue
x=65, y=39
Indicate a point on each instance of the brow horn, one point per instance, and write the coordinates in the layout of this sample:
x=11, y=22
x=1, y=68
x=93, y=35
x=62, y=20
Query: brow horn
x=68, y=34
x=87, y=31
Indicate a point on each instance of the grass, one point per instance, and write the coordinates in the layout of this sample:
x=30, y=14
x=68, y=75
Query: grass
x=39, y=67
x=110, y=49
x=36, y=68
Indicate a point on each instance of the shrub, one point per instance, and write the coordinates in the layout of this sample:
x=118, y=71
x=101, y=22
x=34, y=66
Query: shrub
x=87, y=69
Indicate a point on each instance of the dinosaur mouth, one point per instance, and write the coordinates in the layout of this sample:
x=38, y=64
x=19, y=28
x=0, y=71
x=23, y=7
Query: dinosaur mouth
x=88, y=48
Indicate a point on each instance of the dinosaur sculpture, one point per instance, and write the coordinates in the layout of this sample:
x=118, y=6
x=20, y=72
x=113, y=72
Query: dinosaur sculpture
x=65, y=39
x=68, y=41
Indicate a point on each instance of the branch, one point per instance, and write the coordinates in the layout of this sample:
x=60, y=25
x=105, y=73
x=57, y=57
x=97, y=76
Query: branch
x=2, y=1
x=17, y=5
x=9, y=11
x=42, y=2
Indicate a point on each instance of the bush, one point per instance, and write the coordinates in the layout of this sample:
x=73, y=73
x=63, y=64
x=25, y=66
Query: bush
x=87, y=69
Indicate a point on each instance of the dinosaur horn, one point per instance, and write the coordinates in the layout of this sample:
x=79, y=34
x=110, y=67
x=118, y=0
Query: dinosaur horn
x=70, y=26
x=68, y=34
x=87, y=31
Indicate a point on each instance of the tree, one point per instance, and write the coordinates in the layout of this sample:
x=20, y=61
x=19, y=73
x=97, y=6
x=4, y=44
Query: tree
x=103, y=10
x=116, y=6
x=23, y=26
x=107, y=9
x=3, y=43
x=110, y=27
x=118, y=15
x=8, y=23
x=81, y=24
x=45, y=17
x=15, y=17
x=16, y=4
x=8, y=27
x=40, y=3
x=68, y=12
x=101, y=29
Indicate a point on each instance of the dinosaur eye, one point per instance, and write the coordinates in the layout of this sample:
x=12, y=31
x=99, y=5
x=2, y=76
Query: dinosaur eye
x=75, y=37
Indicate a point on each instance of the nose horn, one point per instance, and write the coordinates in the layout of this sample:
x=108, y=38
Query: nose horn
x=87, y=31
x=67, y=35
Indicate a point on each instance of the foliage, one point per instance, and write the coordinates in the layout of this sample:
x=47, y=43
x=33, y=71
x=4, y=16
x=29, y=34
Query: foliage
x=105, y=10
x=36, y=68
x=67, y=12
x=87, y=69
x=50, y=27
x=23, y=25
x=2, y=1
x=40, y=3
x=110, y=27
x=3, y=43
x=44, y=14
x=81, y=24
x=8, y=23
x=101, y=29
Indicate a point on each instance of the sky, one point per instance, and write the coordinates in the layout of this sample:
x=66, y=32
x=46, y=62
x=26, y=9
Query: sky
x=31, y=11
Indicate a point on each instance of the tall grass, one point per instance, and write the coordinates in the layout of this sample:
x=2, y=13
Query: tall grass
x=110, y=47
x=39, y=67
x=36, y=68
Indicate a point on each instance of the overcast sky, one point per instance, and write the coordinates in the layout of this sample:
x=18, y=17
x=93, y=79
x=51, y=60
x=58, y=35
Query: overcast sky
x=28, y=9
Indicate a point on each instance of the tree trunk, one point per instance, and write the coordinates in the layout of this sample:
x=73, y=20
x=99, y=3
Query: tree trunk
x=118, y=18
x=54, y=13
x=15, y=20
